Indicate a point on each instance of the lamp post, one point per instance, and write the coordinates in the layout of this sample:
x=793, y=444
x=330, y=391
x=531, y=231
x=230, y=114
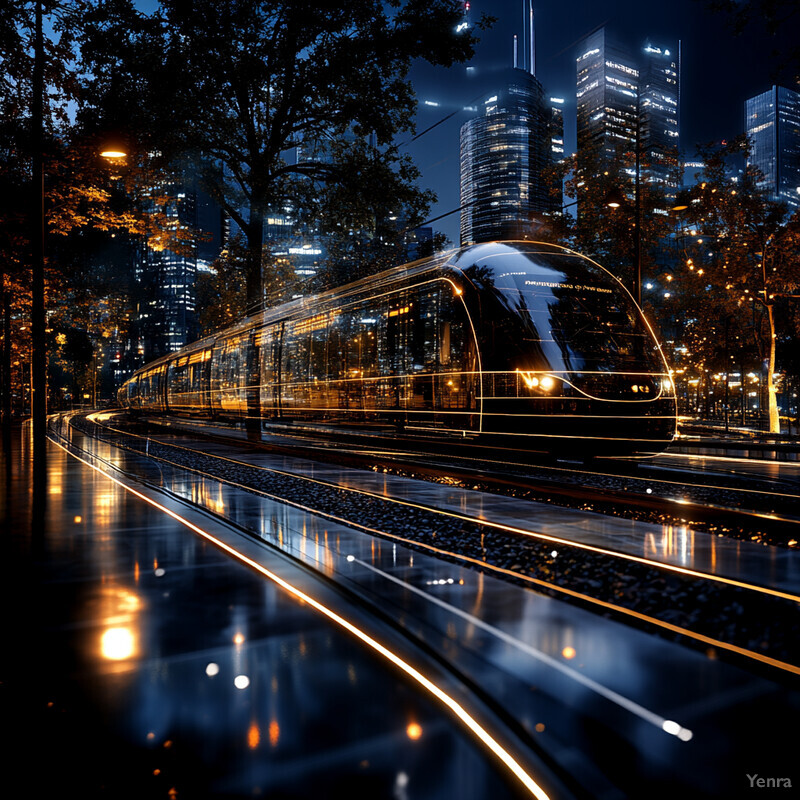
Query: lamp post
x=38, y=319
x=616, y=199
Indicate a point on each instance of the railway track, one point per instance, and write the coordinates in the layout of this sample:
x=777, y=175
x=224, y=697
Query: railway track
x=744, y=507
x=724, y=617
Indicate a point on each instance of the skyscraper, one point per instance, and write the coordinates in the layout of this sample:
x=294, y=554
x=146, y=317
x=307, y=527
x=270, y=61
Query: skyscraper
x=166, y=278
x=503, y=152
x=772, y=123
x=659, y=122
x=607, y=90
x=625, y=104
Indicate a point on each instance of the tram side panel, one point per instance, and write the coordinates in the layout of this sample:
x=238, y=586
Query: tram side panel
x=404, y=359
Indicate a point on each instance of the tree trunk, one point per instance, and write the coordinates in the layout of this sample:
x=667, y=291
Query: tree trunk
x=772, y=400
x=254, y=296
x=38, y=317
x=6, y=368
x=255, y=245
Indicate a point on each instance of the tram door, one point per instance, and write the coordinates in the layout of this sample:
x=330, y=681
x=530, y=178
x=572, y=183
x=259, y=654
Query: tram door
x=267, y=393
x=443, y=382
x=252, y=398
x=394, y=398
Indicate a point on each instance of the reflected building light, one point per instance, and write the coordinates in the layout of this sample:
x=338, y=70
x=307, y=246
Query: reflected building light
x=253, y=736
x=274, y=732
x=118, y=644
x=241, y=681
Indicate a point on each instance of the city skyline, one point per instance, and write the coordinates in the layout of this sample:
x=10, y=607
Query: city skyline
x=736, y=68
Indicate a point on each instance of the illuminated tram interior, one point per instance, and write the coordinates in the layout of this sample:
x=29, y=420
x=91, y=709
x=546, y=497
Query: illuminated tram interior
x=521, y=343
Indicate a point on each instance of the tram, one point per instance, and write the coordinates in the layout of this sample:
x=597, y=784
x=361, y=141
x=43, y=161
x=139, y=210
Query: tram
x=519, y=345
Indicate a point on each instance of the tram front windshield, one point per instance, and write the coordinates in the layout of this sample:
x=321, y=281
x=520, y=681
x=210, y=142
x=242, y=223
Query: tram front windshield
x=566, y=314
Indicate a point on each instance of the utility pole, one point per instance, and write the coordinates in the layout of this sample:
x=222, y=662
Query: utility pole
x=38, y=321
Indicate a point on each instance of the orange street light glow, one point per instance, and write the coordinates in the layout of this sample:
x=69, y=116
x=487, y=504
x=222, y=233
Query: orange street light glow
x=414, y=731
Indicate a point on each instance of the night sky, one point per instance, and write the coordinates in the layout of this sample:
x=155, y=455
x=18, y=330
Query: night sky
x=719, y=71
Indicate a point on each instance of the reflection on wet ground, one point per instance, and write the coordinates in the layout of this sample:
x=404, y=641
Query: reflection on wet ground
x=677, y=545
x=142, y=661
x=732, y=462
x=154, y=631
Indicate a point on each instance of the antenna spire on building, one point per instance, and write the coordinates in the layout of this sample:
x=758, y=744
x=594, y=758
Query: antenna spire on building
x=528, y=39
x=532, y=37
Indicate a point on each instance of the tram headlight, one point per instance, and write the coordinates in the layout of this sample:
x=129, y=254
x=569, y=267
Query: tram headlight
x=547, y=383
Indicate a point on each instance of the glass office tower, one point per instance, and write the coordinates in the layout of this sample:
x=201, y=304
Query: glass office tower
x=503, y=153
x=607, y=86
x=625, y=103
x=659, y=101
x=772, y=123
x=166, y=278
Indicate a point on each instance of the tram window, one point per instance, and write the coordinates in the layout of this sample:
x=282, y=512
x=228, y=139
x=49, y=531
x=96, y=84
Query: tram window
x=337, y=339
x=318, y=354
x=264, y=343
x=361, y=346
x=397, y=320
x=294, y=363
x=424, y=334
x=179, y=376
x=227, y=371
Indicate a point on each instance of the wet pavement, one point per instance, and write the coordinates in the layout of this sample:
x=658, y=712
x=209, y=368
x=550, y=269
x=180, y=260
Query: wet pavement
x=676, y=545
x=612, y=711
x=142, y=661
x=785, y=474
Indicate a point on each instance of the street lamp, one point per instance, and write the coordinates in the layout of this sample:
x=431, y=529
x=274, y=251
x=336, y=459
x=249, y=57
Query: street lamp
x=38, y=316
x=616, y=199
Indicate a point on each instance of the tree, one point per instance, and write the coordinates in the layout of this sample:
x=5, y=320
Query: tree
x=603, y=233
x=84, y=202
x=241, y=83
x=742, y=259
x=363, y=208
x=220, y=293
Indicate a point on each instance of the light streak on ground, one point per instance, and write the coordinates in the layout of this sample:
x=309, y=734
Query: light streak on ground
x=670, y=726
x=517, y=770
